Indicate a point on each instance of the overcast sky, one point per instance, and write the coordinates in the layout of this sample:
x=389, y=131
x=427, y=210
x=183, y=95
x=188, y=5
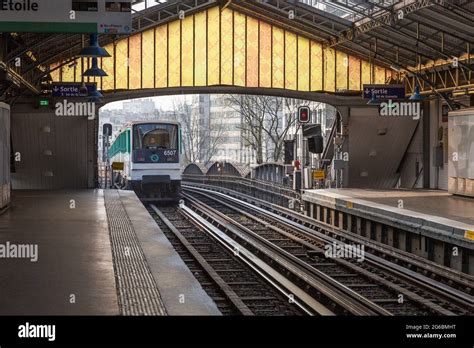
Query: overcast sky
x=162, y=103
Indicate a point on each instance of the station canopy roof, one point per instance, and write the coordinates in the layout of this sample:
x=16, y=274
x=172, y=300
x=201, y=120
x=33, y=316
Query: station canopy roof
x=406, y=35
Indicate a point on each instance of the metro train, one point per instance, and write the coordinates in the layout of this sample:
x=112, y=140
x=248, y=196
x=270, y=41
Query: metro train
x=151, y=154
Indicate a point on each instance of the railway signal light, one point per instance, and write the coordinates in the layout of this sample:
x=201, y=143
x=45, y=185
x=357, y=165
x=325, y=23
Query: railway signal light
x=107, y=130
x=316, y=144
x=304, y=114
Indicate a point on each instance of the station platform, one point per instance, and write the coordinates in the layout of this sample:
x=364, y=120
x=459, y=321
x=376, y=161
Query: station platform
x=91, y=252
x=433, y=211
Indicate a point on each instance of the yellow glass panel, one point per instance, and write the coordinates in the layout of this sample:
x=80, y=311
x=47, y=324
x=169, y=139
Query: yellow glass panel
x=290, y=61
x=135, y=71
x=226, y=47
x=252, y=52
x=278, y=73
x=108, y=67
x=121, y=61
x=200, y=47
x=316, y=66
x=78, y=69
x=354, y=73
x=303, y=64
x=213, y=49
x=329, y=70
x=55, y=74
x=161, y=53
x=265, y=55
x=239, y=49
x=148, y=59
x=174, y=54
x=187, y=49
x=342, y=66
x=366, y=72
x=379, y=74
x=67, y=73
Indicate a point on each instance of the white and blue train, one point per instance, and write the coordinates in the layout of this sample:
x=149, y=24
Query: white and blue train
x=151, y=154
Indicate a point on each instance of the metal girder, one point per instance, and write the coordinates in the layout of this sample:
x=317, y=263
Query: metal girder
x=278, y=12
x=168, y=11
x=17, y=78
x=388, y=19
x=441, y=81
x=451, y=5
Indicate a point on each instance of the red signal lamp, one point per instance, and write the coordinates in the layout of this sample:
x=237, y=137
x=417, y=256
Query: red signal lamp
x=304, y=114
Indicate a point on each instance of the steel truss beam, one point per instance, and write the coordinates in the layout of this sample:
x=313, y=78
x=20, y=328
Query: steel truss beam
x=389, y=19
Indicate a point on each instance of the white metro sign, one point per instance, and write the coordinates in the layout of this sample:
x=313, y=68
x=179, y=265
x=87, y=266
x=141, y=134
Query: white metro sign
x=19, y=5
x=66, y=16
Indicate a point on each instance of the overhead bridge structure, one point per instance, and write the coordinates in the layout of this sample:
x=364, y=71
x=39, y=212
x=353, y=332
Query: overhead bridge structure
x=218, y=48
x=275, y=47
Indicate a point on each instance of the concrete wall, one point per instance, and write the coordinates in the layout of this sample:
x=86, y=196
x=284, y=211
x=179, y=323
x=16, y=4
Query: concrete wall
x=4, y=155
x=54, y=152
x=438, y=135
x=438, y=178
x=377, y=145
x=413, y=161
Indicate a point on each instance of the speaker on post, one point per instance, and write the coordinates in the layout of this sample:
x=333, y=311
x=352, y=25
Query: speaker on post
x=289, y=148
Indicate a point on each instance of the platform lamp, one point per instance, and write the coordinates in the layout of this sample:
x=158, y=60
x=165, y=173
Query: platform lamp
x=416, y=96
x=94, y=95
x=94, y=70
x=94, y=50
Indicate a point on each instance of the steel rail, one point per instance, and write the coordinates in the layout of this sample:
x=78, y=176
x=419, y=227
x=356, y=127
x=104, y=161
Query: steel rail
x=334, y=290
x=463, y=300
x=461, y=280
x=297, y=295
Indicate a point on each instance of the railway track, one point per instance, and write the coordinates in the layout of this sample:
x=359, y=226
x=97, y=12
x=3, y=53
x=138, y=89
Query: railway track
x=391, y=286
x=236, y=287
x=234, y=284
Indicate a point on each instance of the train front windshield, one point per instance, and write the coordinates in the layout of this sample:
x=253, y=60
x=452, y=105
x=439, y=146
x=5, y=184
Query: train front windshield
x=155, y=143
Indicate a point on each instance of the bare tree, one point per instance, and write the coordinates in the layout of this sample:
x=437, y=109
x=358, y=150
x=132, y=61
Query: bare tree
x=264, y=124
x=253, y=121
x=201, y=141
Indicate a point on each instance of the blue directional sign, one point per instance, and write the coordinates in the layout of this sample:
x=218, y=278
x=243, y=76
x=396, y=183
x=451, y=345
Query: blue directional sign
x=70, y=90
x=384, y=91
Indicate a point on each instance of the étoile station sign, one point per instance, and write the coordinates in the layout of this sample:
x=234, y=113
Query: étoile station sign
x=25, y=5
x=66, y=16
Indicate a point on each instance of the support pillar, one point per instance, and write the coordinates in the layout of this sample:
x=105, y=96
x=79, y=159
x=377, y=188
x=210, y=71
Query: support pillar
x=368, y=225
x=378, y=232
x=438, y=252
x=402, y=240
x=344, y=112
x=359, y=226
x=471, y=261
x=349, y=222
x=390, y=235
x=456, y=260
